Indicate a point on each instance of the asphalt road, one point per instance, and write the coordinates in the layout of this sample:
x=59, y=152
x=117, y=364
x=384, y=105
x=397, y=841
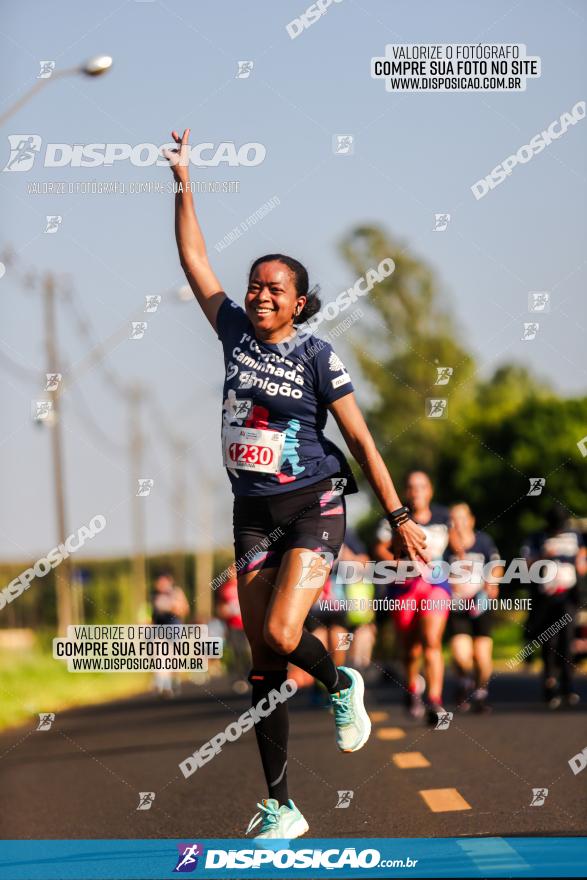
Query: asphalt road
x=82, y=777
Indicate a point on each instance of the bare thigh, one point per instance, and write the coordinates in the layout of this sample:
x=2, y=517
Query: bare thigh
x=298, y=584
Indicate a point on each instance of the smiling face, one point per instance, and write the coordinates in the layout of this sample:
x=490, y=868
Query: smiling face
x=272, y=300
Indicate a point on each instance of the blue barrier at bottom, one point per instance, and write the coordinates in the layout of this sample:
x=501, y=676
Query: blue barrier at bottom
x=302, y=858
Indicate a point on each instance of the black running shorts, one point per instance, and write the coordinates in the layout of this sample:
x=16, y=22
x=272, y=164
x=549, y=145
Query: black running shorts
x=461, y=623
x=266, y=527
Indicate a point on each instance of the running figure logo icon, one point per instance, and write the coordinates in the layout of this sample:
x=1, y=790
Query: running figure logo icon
x=53, y=223
x=343, y=144
x=539, y=795
x=242, y=408
x=338, y=485
x=530, y=331
x=43, y=410
x=146, y=799
x=187, y=860
x=145, y=487
x=537, y=484
x=436, y=408
x=443, y=375
x=344, y=800
x=46, y=719
x=152, y=303
x=23, y=150
x=444, y=719
x=344, y=641
x=539, y=301
x=137, y=331
x=315, y=569
x=441, y=222
x=53, y=380
x=244, y=69
x=47, y=68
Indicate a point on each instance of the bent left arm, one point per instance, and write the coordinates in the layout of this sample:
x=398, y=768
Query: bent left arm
x=362, y=447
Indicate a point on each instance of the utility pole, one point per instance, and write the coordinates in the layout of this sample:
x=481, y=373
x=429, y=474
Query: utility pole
x=136, y=446
x=204, y=558
x=65, y=608
x=180, y=449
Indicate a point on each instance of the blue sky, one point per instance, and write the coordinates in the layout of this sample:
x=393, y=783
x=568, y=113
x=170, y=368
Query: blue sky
x=415, y=154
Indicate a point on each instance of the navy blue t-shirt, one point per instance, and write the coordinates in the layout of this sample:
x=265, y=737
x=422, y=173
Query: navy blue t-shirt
x=561, y=547
x=275, y=409
x=436, y=531
x=482, y=551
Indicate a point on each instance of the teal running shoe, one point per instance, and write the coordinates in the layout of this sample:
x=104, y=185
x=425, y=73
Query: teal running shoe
x=282, y=823
x=353, y=725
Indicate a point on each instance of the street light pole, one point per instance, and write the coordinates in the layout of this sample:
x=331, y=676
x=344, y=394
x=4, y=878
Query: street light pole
x=65, y=608
x=138, y=513
x=94, y=67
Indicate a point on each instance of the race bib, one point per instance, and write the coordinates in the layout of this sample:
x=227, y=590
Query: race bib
x=252, y=449
x=436, y=539
x=564, y=579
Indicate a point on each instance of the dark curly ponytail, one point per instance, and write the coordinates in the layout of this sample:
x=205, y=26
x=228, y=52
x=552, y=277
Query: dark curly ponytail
x=300, y=273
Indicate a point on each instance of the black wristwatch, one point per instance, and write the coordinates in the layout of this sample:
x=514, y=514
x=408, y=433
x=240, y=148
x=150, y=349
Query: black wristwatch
x=398, y=517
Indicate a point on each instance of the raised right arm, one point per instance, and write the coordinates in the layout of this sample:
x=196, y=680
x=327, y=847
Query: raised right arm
x=190, y=241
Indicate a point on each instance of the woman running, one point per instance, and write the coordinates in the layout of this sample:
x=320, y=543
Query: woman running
x=421, y=617
x=471, y=619
x=289, y=483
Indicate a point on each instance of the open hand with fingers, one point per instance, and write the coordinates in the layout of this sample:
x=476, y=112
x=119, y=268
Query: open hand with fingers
x=179, y=158
x=413, y=541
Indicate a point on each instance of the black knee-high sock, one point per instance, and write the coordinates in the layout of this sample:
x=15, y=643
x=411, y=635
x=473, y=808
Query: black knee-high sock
x=272, y=733
x=311, y=656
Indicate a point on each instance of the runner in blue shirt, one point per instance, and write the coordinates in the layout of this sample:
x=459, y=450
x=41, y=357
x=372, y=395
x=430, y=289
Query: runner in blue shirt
x=289, y=484
x=555, y=602
x=471, y=617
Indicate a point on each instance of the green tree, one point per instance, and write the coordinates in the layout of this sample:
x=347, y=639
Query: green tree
x=406, y=335
x=499, y=432
x=513, y=432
